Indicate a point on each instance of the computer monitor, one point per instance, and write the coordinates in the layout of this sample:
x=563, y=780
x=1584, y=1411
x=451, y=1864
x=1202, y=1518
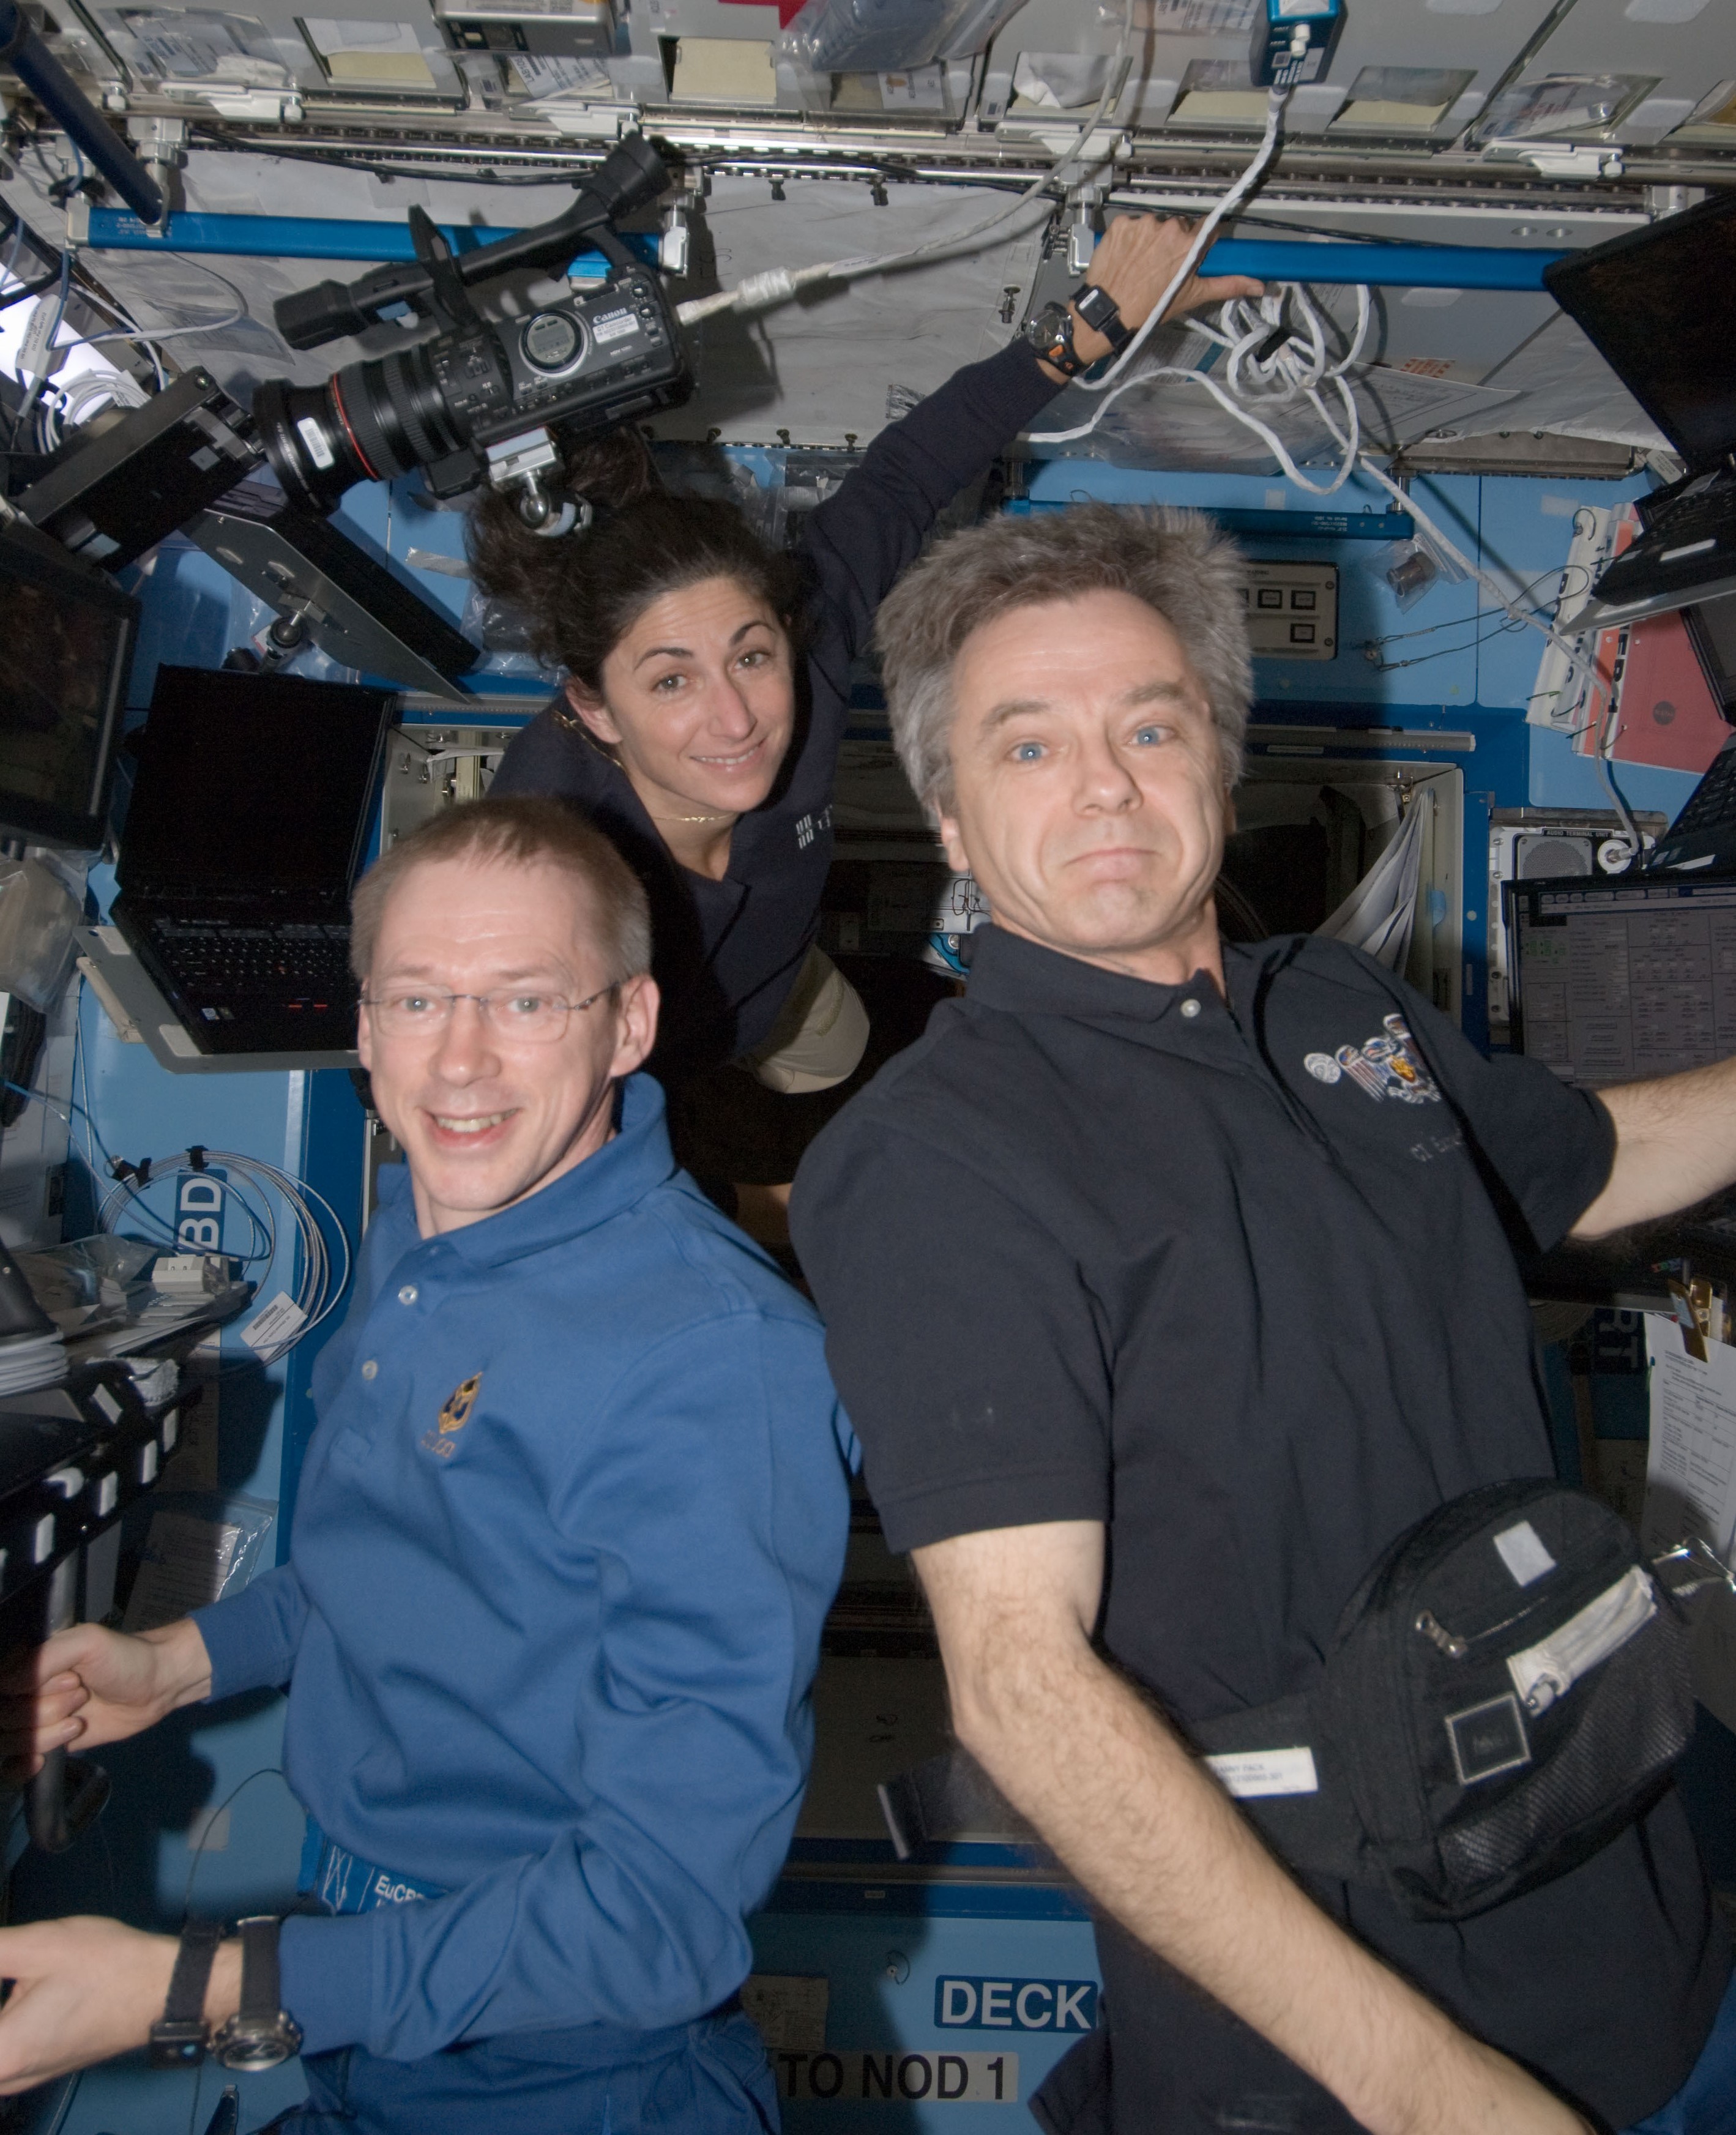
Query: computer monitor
x=1659, y=305
x=1618, y=980
x=67, y=636
x=1712, y=633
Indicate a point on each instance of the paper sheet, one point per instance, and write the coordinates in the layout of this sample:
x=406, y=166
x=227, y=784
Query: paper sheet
x=1691, y=1488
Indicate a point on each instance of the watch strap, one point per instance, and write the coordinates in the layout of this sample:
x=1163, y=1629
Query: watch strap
x=1100, y=312
x=262, y=1994
x=178, y=2037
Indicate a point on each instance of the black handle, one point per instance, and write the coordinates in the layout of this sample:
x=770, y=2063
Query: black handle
x=227, y=2119
x=65, y=1796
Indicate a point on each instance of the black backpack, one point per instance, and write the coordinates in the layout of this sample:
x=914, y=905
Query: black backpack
x=1507, y=1690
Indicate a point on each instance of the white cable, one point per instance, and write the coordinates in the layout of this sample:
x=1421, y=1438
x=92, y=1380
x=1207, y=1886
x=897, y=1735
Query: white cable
x=92, y=387
x=314, y=1292
x=760, y=292
x=1203, y=237
x=1294, y=370
x=171, y=333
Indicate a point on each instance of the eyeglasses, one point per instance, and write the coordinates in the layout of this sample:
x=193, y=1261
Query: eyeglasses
x=425, y=1011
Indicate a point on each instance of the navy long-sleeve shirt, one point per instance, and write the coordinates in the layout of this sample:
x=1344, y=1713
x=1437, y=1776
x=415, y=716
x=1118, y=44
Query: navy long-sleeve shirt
x=727, y=953
x=572, y=1516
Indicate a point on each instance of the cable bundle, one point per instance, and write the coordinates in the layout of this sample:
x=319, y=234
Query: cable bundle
x=315, y=1295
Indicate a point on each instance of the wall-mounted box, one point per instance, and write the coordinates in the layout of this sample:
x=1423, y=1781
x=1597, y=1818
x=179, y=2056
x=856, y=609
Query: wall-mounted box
x=1293, y=610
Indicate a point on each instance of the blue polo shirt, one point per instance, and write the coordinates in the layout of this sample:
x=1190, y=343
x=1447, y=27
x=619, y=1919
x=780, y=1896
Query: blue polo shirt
x=572, y=1516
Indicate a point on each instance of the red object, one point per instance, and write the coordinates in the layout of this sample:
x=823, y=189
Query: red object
x=1668, y=715
x=787, y=10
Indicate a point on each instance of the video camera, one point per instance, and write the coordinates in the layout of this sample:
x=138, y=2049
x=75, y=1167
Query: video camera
x=476, y=400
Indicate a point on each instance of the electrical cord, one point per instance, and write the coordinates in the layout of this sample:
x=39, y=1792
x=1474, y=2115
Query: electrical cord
x=1277, y=352
x=26, y=405
x=316, y=1294
x=172, y=333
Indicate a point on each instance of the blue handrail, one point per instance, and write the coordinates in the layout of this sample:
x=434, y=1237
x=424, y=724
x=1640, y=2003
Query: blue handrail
x=310, y=237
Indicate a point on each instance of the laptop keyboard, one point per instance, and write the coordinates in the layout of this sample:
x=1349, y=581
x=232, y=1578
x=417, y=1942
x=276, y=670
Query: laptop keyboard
x=1711, y=512
x=1712, y=804
x=284, y=960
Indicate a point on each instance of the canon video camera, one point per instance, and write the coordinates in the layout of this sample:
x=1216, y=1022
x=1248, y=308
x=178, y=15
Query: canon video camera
x=476, y=400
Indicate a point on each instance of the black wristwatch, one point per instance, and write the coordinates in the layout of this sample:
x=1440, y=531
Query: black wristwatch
x=261, y=2033
x=1099, y=311
x=177, y=2037
x=1050, y=334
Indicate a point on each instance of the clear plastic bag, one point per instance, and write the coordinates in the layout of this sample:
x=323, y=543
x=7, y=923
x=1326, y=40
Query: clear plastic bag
x=200, y=1549
x=38, y=913
x=870, y=36
x=84, y=1285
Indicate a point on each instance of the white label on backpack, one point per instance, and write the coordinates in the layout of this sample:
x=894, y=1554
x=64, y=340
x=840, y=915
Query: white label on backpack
x=1247, y=1774
x=1522, y=1552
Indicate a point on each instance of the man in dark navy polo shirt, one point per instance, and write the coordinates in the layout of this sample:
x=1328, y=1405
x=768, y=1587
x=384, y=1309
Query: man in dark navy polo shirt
x=1231, y=1302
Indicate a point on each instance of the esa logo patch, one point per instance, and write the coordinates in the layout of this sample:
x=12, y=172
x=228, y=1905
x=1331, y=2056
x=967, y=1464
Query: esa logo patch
x=1387, y=1065
x=454, y=1417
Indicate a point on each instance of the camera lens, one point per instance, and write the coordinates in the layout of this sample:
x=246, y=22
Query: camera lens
x=306, y=443
x=373, y=420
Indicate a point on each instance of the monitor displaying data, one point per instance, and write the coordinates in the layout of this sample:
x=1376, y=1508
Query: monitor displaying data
x=66, y=634
x=1620, y=980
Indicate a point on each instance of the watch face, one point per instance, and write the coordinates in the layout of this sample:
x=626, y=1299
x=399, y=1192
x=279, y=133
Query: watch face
x=1051, y=333
x=241, y=2045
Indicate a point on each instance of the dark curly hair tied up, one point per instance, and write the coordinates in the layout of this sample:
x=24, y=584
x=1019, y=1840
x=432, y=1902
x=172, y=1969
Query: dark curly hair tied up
x=582, y=592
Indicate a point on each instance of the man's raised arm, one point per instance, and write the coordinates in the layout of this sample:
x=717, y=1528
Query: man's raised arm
x=1676, y=1143
x=1156, y=1842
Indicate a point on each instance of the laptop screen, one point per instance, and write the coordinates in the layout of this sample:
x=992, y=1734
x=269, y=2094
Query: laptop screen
x=251, y=781
x=1625, y=979
x=1660, y=306
x=67, y=635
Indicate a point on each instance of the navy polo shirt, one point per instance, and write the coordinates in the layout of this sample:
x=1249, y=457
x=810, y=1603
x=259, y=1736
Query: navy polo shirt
x=1238, y=1279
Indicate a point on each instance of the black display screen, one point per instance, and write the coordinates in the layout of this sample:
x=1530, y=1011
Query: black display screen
x=251, y=781
x=65, y=638
x=1660, y=305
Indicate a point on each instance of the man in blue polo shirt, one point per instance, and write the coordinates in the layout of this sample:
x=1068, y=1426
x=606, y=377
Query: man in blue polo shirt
x=566, y=1535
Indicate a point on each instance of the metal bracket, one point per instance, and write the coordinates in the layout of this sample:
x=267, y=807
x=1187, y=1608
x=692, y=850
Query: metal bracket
x=1558, y=159
x=520, y=463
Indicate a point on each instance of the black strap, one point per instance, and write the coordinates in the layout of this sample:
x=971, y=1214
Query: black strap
x=1098, y=309
x=193, y=1961
x=262, y=1996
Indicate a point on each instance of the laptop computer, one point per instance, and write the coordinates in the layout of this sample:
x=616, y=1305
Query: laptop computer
x=1703, y=837
x=249, y=810
x=1659, y=305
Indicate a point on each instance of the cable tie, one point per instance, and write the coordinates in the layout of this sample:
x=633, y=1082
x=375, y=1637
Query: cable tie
x=196, y=1154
